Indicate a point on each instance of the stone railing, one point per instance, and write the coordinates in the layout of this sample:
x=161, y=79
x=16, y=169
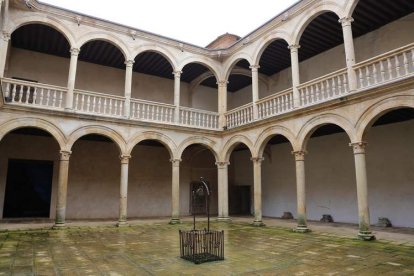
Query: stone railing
x=388, y=67
x=152, y=111
x=97, y=103
x=199, y=118
x=239, y=116
x=33, y=94
x=275, y=104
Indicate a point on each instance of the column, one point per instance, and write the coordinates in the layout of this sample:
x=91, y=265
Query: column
x=255, y=89
x=177, y=82
x=62, y=189
x=123, y=190
x=346, y=23
x=74, y=53
x=300, y=192
x=222, y=103
x=257, y=180
x=223, y=191
x=175, y=192
x=362, y=191
x=294, y=61
x=4, y=45
x=128, y=84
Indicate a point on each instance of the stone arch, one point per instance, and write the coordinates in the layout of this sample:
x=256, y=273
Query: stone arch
x=228, y=66
x=276, y=35
x=100, y=130
x=159, y=50
x=323, y=7
x=378, y=109
x=350, y=7
x=152, y=135
x=231, y=145
x=48, y=21
x=208, y=143
x=118, y=43
x=311, y=125
x=199, y=60
x=53, y=130
x=270, y=132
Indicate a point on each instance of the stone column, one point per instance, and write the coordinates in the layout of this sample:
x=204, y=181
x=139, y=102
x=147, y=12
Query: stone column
x=222, y=103
x=346, y=23
x=123, y=190
x=177, y=92
x=74, y=53
x=300, y=192
x=62, y=189
x=294, y=60
x=128, y=87
x=4, y=45
x=362, y=191
x=175, y=191
x=257, y=176
x=223, y=191
x=255, y=89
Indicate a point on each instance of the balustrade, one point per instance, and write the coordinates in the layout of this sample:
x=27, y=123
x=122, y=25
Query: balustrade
x=199, y=118
x=98, y=103
x=275, y=104
x=152, y=111
x=239, y=116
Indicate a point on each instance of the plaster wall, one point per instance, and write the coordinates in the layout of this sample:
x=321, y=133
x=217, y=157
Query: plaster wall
x=203, y=97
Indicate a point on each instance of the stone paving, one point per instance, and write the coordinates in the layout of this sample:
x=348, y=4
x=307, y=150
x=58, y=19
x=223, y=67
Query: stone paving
x=153, y=249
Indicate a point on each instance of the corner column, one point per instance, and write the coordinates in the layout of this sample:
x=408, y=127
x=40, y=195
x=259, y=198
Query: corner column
x=74, y=53
x=62, y=189
x=223, y=191
x=4, y=45
x=302, y=226
x=362, y=191
x=346, y=23
x=177, y=92
x=294, y=60
x=255, y=89
x=128, y=87
x=175, y=191
x=257, y=176
x=222, y=103
x=123, y=190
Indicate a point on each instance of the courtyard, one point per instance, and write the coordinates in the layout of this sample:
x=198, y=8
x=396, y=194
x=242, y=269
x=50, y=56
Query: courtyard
x=152, y=248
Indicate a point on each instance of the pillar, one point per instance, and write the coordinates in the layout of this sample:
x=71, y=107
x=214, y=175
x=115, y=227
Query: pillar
x=346, y=23
x=223, y=191
x=175, y=191
x=123, y=190
x=222, y=103
x=74, y=53
x=255, y=89
x=300, y=192
x=4, y=45
x=62, y=189
x=294, y=60
x=362, y=191
x=128, y=84
x=177, y=92
x=257, y=180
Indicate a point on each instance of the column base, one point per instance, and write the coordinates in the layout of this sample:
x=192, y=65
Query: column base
x=122, y=223
x=258, y=223
x=224, y=219
x=366, y=236
x=302, y=229
x=59, y=226
x=174, y=221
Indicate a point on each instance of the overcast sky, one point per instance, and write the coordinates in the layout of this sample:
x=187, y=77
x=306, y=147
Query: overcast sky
x=192, y=21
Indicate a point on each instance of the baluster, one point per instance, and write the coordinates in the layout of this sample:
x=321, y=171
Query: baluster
x=339, y=85
x=34, y=97
x=405, y=62
x=94, y=104
x=345, y=82
x=412, y=57
x=171, y=119
x=397, y=65
x=278, y=104
x=382, y=69
x=54, y=97
x=301, y=97
x=273, y=106
x=389, y=68
x=284, y=101
x=312, y=94
x=26, y=100
x=318, y=93
x=190, y=118
x=117, y=108
x=121, y=108
x=185, y=117
x=367, y=75
x=20, y=96
x=374, y=73
x=307, y=93
x=198, y=119
x=361, y=78
x=88, y=103
x=13, y=99
x=48, y=97
x=60, y=99
x=7, y=91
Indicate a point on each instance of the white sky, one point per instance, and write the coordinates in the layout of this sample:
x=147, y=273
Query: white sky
x=192, y=21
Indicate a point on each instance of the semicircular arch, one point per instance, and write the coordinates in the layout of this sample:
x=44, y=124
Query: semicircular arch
x=111, y=39
x=197, y=140
x=277, y=35
x=270, y=132
x=166, y=141
x=156, y=49
x=232, y=143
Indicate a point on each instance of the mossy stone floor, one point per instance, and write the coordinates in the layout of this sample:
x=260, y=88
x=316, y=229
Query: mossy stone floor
x=153, y=249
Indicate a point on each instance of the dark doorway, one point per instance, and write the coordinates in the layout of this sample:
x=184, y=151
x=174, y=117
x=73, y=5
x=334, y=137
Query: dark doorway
x=28, y=188
x=239, y=199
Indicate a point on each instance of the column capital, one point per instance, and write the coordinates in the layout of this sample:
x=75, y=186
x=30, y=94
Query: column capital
x=6, y=36
x=294, y=47
x=177, y=73
x=358, y=147
x=254, y=67
x=129, y=62
x=222, y=164
x=124, y=158
x=176, y=162
x=346, y=21
x=299, y=155
x=65, y=155
x=74, y=51
x=222, y=83
x=257, y=160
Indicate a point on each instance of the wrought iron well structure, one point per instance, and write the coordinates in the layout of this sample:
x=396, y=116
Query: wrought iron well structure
x=200, y=246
